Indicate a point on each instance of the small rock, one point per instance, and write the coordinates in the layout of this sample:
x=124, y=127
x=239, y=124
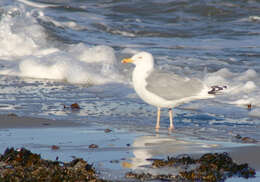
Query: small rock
x=114, y=161
x=74, y=106
x=55, y=147
x=107, y=130
x=93, y=146
x=248, y=140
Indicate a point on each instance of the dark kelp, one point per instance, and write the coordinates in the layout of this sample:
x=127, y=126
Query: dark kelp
x=23, y=165
x=211, y=167
x=239, y=138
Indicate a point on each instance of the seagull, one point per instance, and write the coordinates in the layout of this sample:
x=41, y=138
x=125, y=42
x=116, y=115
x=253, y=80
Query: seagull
x=165, y=90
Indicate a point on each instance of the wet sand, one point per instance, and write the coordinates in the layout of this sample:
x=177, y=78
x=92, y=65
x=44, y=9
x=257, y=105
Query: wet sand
x=14, y=121
x=247, y=154
x=118, y=150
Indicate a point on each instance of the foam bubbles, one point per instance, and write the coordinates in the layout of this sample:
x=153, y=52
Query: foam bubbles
x=20, y=34
x=66, y=66
x=249, y=74
x=242, y=88
x=100, y=53
x=44, y=67
x=218, y=78
x=250, y=85
x=24, y=43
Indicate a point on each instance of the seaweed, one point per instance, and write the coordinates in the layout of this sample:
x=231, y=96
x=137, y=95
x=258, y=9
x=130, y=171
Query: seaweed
x=23, y=165
x=211, y=167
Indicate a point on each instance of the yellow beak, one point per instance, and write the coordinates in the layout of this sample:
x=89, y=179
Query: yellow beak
x=127, y=60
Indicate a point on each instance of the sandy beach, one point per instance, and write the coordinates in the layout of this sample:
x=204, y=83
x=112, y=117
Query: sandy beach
x=117, y=150
x=14, y=121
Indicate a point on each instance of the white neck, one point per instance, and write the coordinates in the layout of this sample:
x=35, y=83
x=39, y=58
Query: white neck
x=139, y=76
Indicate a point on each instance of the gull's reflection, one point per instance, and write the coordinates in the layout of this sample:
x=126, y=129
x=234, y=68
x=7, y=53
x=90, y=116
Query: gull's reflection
x=156, y=146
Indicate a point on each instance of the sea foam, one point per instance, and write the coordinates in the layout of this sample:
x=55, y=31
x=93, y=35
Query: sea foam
x=20, y=34
x=24, y=44
x=242, y=88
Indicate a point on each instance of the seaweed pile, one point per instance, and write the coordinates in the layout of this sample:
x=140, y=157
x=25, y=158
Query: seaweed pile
x=211, y=167
x=23, y=165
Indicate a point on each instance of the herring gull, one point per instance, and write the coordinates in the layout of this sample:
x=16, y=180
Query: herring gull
x=165, y=90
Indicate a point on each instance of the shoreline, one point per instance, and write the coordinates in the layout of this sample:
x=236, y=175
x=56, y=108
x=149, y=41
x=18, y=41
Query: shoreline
x=118, y=150
x=15, y=121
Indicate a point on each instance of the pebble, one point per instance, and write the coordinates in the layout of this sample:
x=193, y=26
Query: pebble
x=93, y=146
x=107, y=130
x=55, y=147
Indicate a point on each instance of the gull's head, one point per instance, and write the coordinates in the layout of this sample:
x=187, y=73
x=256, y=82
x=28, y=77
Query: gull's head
x=141, y=58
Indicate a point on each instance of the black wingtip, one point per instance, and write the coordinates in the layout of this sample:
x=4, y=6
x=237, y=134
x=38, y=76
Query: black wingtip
x=216, y=89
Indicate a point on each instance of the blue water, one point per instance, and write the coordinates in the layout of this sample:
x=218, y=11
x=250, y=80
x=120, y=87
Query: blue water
x=55, y=53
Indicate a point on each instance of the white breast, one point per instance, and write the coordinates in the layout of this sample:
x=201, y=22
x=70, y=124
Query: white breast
x=139, y=81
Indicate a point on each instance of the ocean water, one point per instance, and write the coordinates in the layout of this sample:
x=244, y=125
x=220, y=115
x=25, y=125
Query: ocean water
x=58, y=52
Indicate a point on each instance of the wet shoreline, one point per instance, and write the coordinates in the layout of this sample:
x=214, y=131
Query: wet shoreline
x=116, y=151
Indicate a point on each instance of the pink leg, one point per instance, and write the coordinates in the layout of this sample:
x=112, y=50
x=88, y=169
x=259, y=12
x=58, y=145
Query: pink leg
x=171, y=127
x=158, y=118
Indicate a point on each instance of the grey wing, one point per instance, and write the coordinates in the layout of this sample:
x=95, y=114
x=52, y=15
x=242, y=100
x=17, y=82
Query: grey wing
x=171, y=86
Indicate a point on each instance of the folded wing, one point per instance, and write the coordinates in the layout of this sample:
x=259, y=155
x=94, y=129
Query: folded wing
x=171, y=86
